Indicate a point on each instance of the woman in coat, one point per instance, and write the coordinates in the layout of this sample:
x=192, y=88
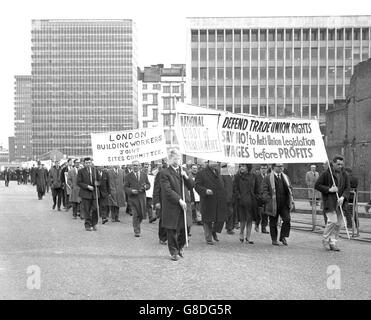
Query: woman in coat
x=246, y=189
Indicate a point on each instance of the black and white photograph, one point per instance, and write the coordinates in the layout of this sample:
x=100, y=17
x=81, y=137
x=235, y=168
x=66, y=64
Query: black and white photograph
x=185, y=155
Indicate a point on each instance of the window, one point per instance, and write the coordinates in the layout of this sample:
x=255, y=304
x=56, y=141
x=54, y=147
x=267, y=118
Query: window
x=348, y=34
x=297, y=34
x=305, y=53
x=237, y=35
x=203, y=74
x=157, y=86
x=203, y=54
x=228, y=54
x=211, y=54
x=356, y=34
x=145, y=96
x=365, y=34
x=322, y=34
x=254, y=91
x=254, y=54
x=144, y=86
x=348, y=53
x=288, y=53
x=288, y=35
x=364, y=53
x=194, y=55
x=220, y=54
x=280, y=54
x=313, y=110
x=280, y=35
x=263, y=110
x=339, y=91
x=271, y=71
x=263, y=92
x=339, y=72
x=211, y=74
x=297, y=53
x=194, y=92
x=348, y=72
x=202, y=35
x=280, y=92
x=203, y=91
x=340, y=34
x=271, y=35
x=246, y=92
x=296, y=91
x=306, y=35
x=194, y=35
x=167, y=120
x=263, y=35
x=228, y=35
x=313, y=93
x=271, y=92
x=166, y=89
x=237, y=54
x=176, y=89
x=246, y=54
x=331, y=53
x=331, y=92
x=155, y=99
x=279, y=73
x=245, y=73
x=263, y=73
x=228, y=73
x=297, y=73
x=254, y=35
x=220, y=93
x=237, y=93
x=237, y=73
x=263, y=53
x=254, y=73
x=322, y=91
x=211, y=92
x=288, y=91
x=220, y=35
x=155, y=114
x=314, y=53
x=322, y=73
x=314, y=73
x=331, y=73
x=331, y=34
x=145, y=111
x=167, y=103
x=211, y=35
x=305, y=72
x=322, y=53
x=220, y=72
x=314, y=34
x=288, y=72
x=305, y=91
x=339, y=53
x=245, y=36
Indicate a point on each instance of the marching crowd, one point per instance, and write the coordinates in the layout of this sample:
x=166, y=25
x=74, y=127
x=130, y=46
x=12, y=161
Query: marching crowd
x=213, y=195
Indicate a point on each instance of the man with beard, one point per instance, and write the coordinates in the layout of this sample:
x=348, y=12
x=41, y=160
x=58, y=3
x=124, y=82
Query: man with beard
x=335, y=188
x=41, y=180
x=210, y=186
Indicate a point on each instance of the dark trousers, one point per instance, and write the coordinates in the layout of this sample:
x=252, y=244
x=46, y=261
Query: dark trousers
x=149, y=208
x=284, y=212
x=229, y=224
x=75, y=208
x=103, y=208
x=6, y=183
x=64, y=196
x=162, y=233
x=137, y=220
x=114, y=213
x=89, y=210
x=210, y=228
x=57, y=196
x=175, y=240
x=349, y=215
x=262, y=218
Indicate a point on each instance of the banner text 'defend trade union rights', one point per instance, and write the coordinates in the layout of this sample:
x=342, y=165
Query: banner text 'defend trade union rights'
x=234, y=138
x=123, y=147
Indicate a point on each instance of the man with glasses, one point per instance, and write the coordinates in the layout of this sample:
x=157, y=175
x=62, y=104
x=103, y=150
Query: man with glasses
x=335, y=189
x=277, y=194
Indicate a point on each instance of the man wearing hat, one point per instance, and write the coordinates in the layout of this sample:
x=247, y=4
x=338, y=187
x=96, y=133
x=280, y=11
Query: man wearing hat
x=41, y=180
x=88, y=181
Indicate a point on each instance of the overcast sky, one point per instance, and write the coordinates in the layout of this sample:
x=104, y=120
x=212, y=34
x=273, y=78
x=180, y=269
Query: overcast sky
x=160, y=25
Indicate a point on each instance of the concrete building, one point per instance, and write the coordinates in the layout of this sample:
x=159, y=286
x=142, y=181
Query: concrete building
x=4, y=155
x=274, y=66
x=84, y=79
x=160, y=88
x=348, y=126
x=11, y=149
x=22, y=118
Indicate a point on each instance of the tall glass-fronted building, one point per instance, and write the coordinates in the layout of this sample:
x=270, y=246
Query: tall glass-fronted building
x=22, y=118
x=84, y=79
x=274, y=66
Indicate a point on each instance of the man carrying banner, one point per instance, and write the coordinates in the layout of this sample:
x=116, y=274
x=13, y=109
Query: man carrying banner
x=175, y=201
x=136, y=184
x=210, y=186
x=279, y=201
x=335, y=189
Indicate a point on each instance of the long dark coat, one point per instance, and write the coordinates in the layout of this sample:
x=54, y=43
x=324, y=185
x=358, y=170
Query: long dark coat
x=171, y=193
x=116, y=183
x=41, y=179
x=137, y=201
x=213, y=207
x=75, y=189
x=104, y=188
x=83, y=181
x=247, y=193
x=324, y=183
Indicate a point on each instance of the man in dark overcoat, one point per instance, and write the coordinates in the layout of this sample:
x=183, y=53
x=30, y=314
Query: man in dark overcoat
x=105, y=193
x=174, y=204
x=88, y=180
x=156, y=198
x=135, y=185
x=41, y=180
x=75, y=189
x=213, y=200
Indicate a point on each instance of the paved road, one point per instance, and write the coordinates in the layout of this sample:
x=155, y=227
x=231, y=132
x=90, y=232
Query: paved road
x=112, y=264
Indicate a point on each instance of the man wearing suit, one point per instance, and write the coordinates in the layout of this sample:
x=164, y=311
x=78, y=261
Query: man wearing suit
x=279, y=201
x=136, y=184
x=75, y=189
x=174, y=204
x=88, y=180
x=262, y=218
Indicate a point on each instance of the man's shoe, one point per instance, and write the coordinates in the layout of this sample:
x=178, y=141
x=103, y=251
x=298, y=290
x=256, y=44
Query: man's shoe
x=230, y=231
x=284, y=242
x=104, y=221
x=215, y=236
x=89, y=229
x=59, y=209
x=325, y=244
x=210, y=242
x=181, y=253
x=163, y=242
x=333, y=247
x=275, y=243
x=174, y=257
x=95, y=228
x=152, y=220
x=265, y=231
x=137, y=235
x=53, y=207
x=249, y=242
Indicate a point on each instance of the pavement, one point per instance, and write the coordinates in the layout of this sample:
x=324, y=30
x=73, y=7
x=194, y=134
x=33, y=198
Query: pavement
x=112, y=264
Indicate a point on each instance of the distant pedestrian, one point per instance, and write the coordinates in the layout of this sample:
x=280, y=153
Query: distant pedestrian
x=18, y=173
x=310, y=178
x=56, y=185
x=136, y=184
x=105, y=193
x=117, y=198
x=75, y=199
x=353, y=181
x=7, y=176
x=333, y=186
x=41, y=180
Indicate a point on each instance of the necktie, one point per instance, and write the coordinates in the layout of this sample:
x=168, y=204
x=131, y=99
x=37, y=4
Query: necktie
x=137, y=176
x=279, y=176
x=91, y=180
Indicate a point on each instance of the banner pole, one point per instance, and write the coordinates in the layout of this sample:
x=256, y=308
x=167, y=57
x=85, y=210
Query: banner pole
x=96, y=191
x=337, y=197
x=184, y=213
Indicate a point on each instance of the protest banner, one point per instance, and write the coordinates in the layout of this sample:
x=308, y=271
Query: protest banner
x=248, y=139
x=123, y=147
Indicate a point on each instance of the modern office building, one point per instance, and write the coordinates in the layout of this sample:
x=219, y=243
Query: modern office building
x=84, y=79
x=160, y=89
x=22, y=118
x=274, y=66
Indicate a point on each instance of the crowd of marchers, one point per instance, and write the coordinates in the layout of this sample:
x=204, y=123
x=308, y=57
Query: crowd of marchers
x=212, y=194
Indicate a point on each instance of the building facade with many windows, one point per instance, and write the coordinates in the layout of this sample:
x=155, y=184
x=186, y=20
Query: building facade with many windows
x=274, y=66
x=84, y=80
x=22, y=118
x=160, y=89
